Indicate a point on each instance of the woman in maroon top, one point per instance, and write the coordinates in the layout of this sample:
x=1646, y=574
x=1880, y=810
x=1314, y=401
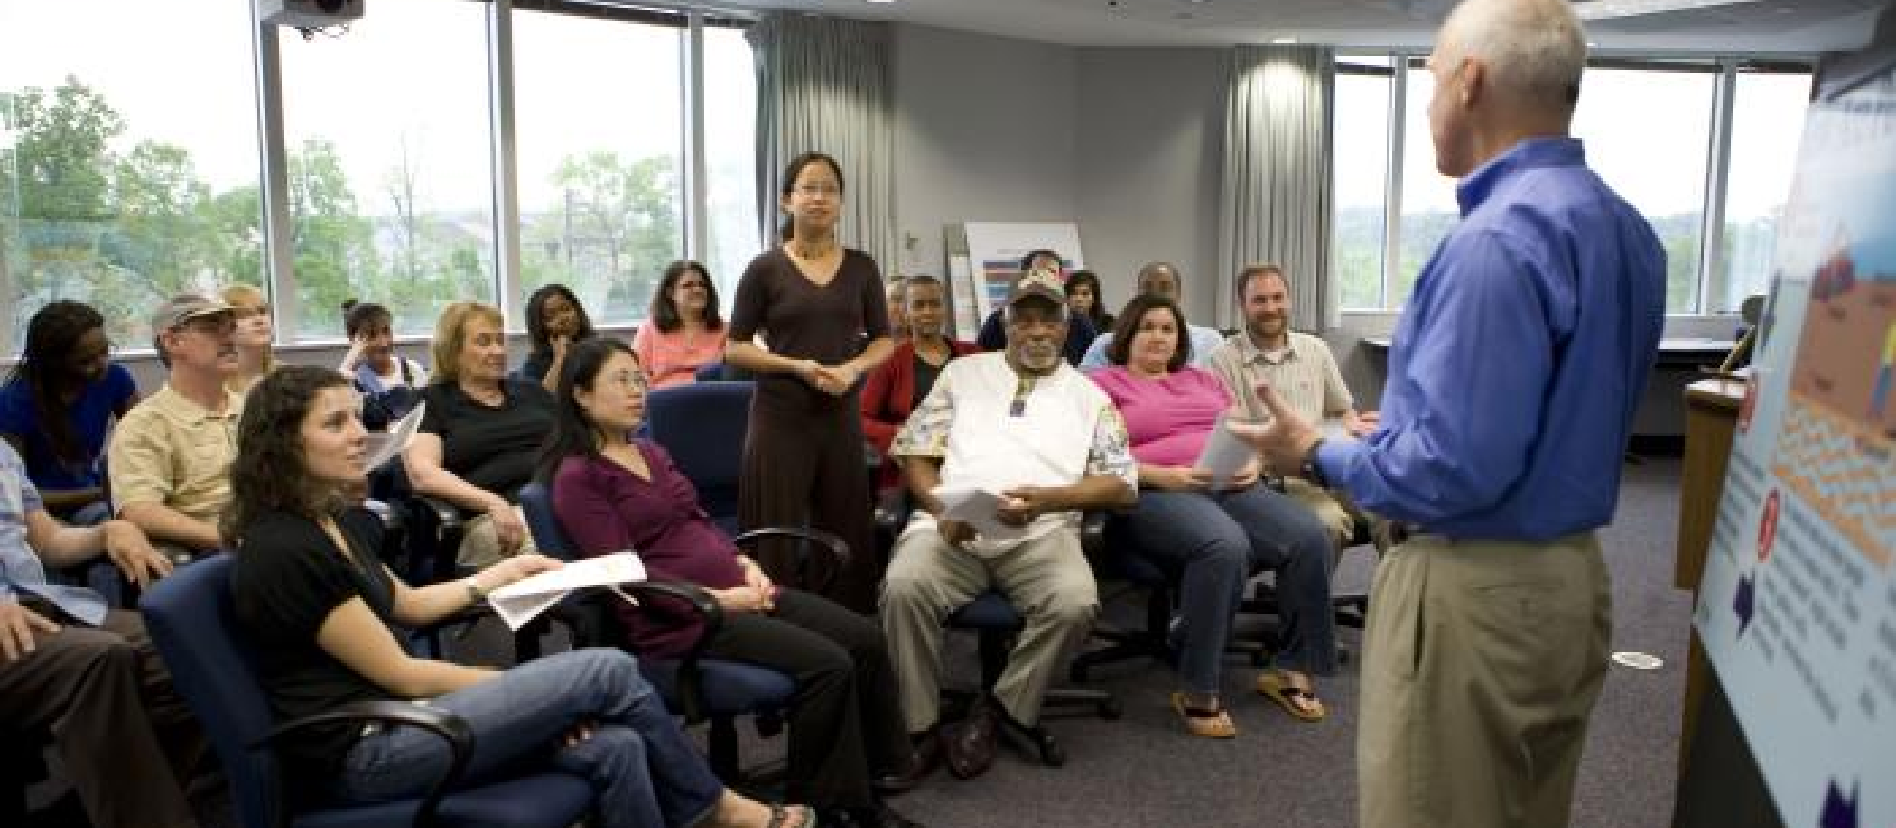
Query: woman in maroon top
x=821, y=310
x=612, y=492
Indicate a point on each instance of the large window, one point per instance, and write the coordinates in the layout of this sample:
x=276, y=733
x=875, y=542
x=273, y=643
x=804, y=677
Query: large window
x=1656, y=161
x=128, y=162
x=600, y=128
x=1659, y=161
x=1361, y=167
x=730, y=147
x=389, y=165
x=1429, y=210
x=1767, y=119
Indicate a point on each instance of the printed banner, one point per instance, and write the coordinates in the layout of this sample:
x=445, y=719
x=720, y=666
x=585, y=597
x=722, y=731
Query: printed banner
x=1797, y=608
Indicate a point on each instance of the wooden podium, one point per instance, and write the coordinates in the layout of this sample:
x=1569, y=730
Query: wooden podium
x=1711, y=418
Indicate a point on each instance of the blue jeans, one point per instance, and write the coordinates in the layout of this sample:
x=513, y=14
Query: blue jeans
x=1212, y=542
x=644, y=771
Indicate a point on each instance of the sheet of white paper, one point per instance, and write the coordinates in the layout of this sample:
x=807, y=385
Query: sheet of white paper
x=976, y=507
x=395, y=440
x=1224, y=454
x=518, y=602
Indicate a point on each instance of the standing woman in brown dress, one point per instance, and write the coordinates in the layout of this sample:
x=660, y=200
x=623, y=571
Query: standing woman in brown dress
x=820, y=308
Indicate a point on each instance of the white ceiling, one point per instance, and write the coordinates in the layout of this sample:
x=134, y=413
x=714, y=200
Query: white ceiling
x=1784, y=26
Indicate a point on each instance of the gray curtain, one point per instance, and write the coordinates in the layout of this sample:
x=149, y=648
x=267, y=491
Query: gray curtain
x=824, y=84
x=1276, y=199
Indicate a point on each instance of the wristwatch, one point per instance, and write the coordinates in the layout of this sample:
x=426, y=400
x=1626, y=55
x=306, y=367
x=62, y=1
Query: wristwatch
x=475, y=595
x=1311, y=471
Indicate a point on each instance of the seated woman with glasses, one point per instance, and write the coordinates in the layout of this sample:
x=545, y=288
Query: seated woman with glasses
x=613, y=492
x=1213, y=533
x=323, y=611
x=59, y=404
x=682, y=331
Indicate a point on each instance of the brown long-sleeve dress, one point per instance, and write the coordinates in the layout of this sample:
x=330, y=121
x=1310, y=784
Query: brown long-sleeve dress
x=803, y=458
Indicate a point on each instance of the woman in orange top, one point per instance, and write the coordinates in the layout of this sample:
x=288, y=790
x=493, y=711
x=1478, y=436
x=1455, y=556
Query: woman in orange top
x=683, y=331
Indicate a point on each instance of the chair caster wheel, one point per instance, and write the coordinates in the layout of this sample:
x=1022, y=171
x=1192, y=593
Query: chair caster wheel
x=1051, y=753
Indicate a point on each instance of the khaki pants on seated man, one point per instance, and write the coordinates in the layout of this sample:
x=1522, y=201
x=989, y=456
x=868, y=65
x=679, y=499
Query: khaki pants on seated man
x=1047, y=579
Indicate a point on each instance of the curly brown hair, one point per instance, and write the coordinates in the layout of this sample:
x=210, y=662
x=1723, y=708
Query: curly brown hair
x=269, y=473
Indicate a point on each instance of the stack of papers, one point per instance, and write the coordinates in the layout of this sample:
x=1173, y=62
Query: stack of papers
x=391, y=444
x=977, y=507
x=523, y=600
x=1224, y=455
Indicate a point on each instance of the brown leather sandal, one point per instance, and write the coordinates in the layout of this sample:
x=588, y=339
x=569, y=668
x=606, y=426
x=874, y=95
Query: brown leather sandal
x=1211, y=723
x=1302, y=704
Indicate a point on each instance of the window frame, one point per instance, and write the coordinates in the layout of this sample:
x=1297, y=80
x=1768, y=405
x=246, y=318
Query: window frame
x=1718, y=161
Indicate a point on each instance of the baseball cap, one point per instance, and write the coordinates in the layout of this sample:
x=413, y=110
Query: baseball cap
x=183, y=308
x=1034, y=283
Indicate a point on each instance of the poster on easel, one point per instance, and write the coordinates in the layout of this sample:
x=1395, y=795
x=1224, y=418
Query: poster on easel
x=1797, y=609
x=995, y=250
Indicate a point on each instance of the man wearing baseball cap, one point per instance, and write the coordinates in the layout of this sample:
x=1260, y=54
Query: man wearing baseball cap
x=169, y=461
x=1043, y=443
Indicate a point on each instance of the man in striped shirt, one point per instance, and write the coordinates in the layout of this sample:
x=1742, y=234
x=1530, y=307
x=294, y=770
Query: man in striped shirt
x=1300, y=367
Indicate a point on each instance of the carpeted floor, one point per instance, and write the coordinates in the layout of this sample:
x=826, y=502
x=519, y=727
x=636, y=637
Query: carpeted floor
x=1142, y=770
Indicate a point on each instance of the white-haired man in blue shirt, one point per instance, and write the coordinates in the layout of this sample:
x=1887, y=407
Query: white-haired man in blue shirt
x=1512, y=382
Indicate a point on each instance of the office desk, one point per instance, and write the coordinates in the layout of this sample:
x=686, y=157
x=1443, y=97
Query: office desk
x=1680, y=360
x=1711, y=419
x=1690, y=351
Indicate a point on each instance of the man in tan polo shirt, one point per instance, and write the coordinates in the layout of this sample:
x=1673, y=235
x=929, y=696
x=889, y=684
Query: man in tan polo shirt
x=1302, y=369
x=170, y=457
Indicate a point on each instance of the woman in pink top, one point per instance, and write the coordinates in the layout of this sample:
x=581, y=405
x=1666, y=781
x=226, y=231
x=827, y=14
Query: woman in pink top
x=683, y=332
x=1212, y=536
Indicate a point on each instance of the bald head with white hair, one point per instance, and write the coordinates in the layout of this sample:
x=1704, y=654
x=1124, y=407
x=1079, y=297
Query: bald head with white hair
x=1505, y=71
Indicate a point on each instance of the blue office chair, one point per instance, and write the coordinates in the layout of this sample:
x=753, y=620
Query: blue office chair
x=1117, y=558
x=701, y=689
x=703, y=426
x=191, y=620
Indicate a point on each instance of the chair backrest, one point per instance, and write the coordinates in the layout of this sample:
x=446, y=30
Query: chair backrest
x=536, y=502
x=193, y=623
x=702, y=425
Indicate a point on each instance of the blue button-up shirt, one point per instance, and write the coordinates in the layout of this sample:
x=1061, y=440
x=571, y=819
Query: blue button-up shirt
x=20, y=569
x=1516, y=368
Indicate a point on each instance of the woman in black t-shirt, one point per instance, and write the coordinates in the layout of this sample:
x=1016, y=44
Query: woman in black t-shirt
x=480, y=432
x=321, y=610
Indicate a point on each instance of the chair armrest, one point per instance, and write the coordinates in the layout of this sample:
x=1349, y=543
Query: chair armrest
x=1092, y=532
x=700, y=600
x=839, y=550
x=449, y=515
x=449, y=727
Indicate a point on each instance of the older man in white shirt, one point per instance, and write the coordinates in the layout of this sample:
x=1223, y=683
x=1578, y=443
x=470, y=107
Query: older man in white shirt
x=1026, y=427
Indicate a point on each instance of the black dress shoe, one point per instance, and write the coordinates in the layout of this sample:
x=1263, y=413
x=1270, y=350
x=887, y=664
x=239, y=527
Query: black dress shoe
x=969, y=743
x=922, y=761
